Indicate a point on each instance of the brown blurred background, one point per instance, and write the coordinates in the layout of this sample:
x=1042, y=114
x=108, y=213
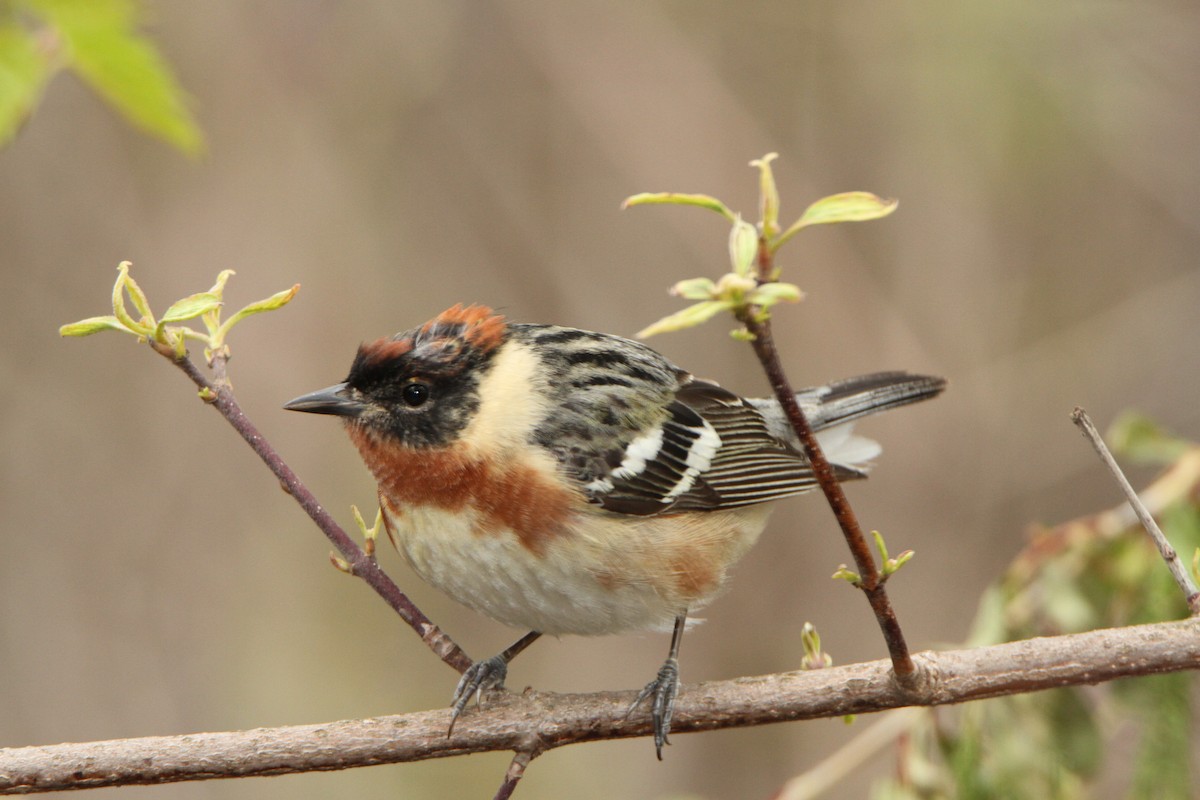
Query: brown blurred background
x=397, y=157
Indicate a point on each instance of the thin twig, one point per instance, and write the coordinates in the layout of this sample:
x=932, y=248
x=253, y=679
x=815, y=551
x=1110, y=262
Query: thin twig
x=516, y=771
x=1178, y=571
x=510, y=722
x=870, y=581
x=361, y=565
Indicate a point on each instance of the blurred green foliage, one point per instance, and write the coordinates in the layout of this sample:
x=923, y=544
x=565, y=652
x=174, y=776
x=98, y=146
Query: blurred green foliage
x=1095, y=572
x=98, y=41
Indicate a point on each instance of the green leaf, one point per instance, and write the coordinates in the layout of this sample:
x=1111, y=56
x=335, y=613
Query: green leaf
x=124, y=283
x=140, y=302
x=844, y=573
x=899, y=561
x=844, y=207
x=847, y=207
x=769, y=294
x=768, y=195
x=222, y=278
x=880, y=544
x=190, y=307
x=680, y=199
x=275, y=301
x=23, y=75
x=86, y=327
x=687, y=318
x=810, y=638
x=743, y=247
x=695, y=289
x=813, y=658
x=126, y=68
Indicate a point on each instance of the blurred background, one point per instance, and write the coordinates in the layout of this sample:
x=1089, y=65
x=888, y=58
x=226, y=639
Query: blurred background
x=395, y=158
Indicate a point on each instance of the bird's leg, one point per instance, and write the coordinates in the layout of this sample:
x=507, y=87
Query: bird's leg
x=485, y=675
x=663, y=689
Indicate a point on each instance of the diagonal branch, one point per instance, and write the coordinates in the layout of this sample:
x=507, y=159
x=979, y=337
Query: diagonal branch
x=220, y=396
x=1178, y=571
x=516, y=771
x=870, y=581
x=536, y=721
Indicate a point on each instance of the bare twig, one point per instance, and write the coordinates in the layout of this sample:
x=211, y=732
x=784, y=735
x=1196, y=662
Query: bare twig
x=1179, y=482
x=220, y=396
x=1178, y=571
x=516, y=770
x=871, y=583
x=512, y=722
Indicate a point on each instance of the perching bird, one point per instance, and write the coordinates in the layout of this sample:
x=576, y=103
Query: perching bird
x=571, y=482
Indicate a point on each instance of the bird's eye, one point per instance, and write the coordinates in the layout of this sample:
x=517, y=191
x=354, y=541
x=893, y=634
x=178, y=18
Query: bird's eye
x=415, y=394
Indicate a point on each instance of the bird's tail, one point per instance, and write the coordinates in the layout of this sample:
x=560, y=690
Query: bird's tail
x=853, y=398
x=829, y=409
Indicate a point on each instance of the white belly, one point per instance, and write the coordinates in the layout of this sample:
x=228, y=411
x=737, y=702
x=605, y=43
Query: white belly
x=609, y=574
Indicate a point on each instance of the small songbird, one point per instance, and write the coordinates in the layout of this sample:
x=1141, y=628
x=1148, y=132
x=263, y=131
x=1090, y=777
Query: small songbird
x=570, y=482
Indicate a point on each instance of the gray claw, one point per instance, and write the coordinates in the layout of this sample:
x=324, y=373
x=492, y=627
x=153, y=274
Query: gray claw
x=480, y=677
x=663, y=689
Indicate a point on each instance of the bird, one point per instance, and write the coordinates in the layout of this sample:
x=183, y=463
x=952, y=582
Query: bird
x=566, y=481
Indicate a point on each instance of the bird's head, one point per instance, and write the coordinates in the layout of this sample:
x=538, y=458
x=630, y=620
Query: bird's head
x=419, y=388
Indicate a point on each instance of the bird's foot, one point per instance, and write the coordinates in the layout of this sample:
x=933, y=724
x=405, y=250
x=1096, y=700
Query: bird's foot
x=663, y=690
x=480, y=677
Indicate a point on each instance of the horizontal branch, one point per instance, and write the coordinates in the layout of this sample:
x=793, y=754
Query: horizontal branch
x=537, y=721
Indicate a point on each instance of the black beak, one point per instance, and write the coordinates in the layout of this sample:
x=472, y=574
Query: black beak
x=334, y=400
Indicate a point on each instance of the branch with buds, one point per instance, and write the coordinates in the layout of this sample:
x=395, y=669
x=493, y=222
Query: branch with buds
x=535, y=722
x=169, y=338
x=748, y=292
